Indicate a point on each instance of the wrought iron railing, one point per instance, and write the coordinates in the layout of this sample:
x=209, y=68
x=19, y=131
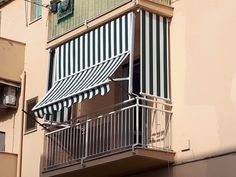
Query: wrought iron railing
x=142, y=122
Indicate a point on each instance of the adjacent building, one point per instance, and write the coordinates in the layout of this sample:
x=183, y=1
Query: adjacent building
x=117, y=88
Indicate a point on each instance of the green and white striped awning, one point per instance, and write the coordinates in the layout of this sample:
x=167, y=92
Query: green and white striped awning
x=79, y=86
x=154, y=54
x=84, y=64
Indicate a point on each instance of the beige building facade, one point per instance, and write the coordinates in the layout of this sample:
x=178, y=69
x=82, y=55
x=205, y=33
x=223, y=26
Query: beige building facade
x=173, y=115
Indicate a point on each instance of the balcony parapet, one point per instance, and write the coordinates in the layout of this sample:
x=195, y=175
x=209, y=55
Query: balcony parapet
x=136, y=128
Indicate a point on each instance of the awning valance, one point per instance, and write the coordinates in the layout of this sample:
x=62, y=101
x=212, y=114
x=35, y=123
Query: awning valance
x=79, y=86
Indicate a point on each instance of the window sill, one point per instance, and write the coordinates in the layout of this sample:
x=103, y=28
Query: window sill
x=35, y=20
x=30, y=131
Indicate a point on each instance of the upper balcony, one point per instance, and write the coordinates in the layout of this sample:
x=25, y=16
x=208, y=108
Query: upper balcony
x=126, y=138
x=12, y=58
x=85, y=12
x=8, y=164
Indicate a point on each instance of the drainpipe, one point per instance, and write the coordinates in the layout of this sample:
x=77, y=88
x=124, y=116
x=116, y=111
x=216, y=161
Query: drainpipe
x=23, y=76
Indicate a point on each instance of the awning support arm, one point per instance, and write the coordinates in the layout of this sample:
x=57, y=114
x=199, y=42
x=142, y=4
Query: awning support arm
x=31, y=117
x=131, y=95
x=121, y=79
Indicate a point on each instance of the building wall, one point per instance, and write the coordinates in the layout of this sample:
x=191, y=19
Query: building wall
x=8, y=165
x=12, y=58
x=203, y=77
x=203, y=83
x=34, y=34
x=213, y=167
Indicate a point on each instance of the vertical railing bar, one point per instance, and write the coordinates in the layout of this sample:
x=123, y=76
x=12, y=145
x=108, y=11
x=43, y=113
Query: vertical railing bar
x=121, y=127
x=60, y=154
x=129, y=128
x=47, y=151
x=104, y=133
x=90, y=138
x=80, y=142
x=111, y=130
x=161, y=130
x=97, y=135
x=94, y=137
x=125, y=112
x=165, y=124
x=64, y=146
x=77, y=141
x=58, y=150
x=107, y=123
x=118, y=129
x=73, y=143
x=100, y=146
x=145, y=110
x=60, y=145
x=67, y=149
x=156, y=126
x=114, y=134
x=86, y=139
x=60, y=140
x=137, y=121
x=169, y=131
x=133, y=117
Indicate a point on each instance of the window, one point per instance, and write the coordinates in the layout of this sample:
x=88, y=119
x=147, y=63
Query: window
x=30, y=123
x=36, y=10
x=2, y=141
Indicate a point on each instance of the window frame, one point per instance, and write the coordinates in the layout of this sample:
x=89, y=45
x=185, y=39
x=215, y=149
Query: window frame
x=3, y=146
x=34, y=8
x=34, y=128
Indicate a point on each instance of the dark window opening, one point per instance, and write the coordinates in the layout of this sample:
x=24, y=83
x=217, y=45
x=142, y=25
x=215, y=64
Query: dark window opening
x=30, y=122
x=2, y=141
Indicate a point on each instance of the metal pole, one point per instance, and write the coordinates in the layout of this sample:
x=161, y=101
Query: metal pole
x=131, y=62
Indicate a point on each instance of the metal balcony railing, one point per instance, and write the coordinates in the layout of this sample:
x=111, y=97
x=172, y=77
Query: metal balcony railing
x=142, y=121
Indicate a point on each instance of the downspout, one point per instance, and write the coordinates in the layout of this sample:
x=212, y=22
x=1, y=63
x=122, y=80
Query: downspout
x=22, y=124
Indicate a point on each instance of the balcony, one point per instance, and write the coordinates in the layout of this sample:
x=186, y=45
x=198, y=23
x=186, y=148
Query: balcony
x=8, y=164
x=125, y=138
x=87, y=11
x=12, y=58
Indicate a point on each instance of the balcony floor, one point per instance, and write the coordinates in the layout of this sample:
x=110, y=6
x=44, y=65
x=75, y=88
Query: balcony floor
x=115, y=165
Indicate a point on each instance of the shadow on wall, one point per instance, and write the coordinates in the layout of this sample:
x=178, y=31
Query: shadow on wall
x=215, y=167
x=6, y=114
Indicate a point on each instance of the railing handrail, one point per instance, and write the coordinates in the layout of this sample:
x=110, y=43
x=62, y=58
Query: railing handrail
x=92, y=115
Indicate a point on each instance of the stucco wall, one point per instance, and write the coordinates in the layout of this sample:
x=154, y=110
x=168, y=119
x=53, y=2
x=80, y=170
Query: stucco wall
x=11, y=59
x=34, y=35
x=223, y=166
x=8, y=164
x=203, y=77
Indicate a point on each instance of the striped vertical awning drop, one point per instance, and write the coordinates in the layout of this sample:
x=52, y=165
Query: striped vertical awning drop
x=154, y=54
x=84, y=65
